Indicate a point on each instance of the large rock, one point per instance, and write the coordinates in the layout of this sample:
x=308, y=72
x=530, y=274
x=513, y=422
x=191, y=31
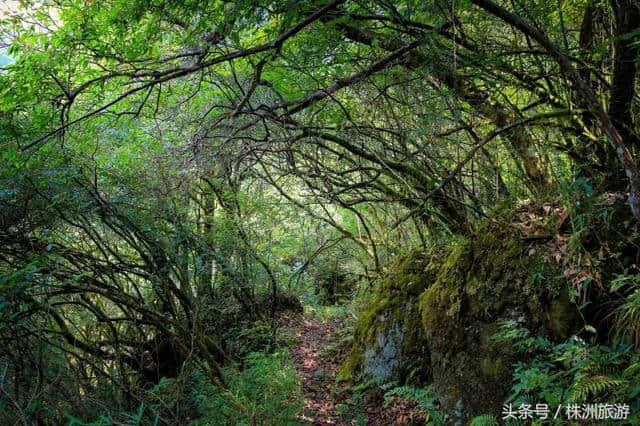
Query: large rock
x=389, y=342
x=432, y=318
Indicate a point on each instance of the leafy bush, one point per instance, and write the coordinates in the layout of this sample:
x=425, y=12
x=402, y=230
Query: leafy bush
x=573, y=371
x=267, y=392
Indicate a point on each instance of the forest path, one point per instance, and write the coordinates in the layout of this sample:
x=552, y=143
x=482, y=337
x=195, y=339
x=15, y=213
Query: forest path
x=317, y=357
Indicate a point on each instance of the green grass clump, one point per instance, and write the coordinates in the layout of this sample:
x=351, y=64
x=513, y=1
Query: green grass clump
x=266, y=392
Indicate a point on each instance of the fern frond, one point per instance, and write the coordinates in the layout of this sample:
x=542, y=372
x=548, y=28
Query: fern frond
x=632, y=370
x=593, y=386
x=484, y=420
x=628, y=316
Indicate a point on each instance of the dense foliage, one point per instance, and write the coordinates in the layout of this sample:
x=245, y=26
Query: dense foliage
x=176, y=174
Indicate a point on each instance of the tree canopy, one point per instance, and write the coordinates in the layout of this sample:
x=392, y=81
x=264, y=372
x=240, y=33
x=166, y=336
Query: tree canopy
x=170, y=169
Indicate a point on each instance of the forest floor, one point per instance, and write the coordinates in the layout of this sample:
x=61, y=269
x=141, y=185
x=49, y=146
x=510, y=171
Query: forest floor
x=317, y=372
x=318, y=353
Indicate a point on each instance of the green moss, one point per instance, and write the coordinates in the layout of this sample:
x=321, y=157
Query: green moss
x=349, y=368
x=494, y=367
x=442, y=299
x=562, y=314
x=436, y=303
x=394, y=301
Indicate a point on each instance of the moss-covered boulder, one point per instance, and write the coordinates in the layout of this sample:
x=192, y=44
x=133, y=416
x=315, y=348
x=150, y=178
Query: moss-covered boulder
x=389, y=341
x=432, y=317
x=494, y=275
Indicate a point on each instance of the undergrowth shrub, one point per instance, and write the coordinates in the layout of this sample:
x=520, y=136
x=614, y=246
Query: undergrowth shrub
x=572, y=372
x=266, y=392
x=426, y=399
x=627, y=315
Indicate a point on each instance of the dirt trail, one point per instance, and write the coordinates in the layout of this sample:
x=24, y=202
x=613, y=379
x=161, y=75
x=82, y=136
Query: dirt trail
x=317, y=356
x=318, y=373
